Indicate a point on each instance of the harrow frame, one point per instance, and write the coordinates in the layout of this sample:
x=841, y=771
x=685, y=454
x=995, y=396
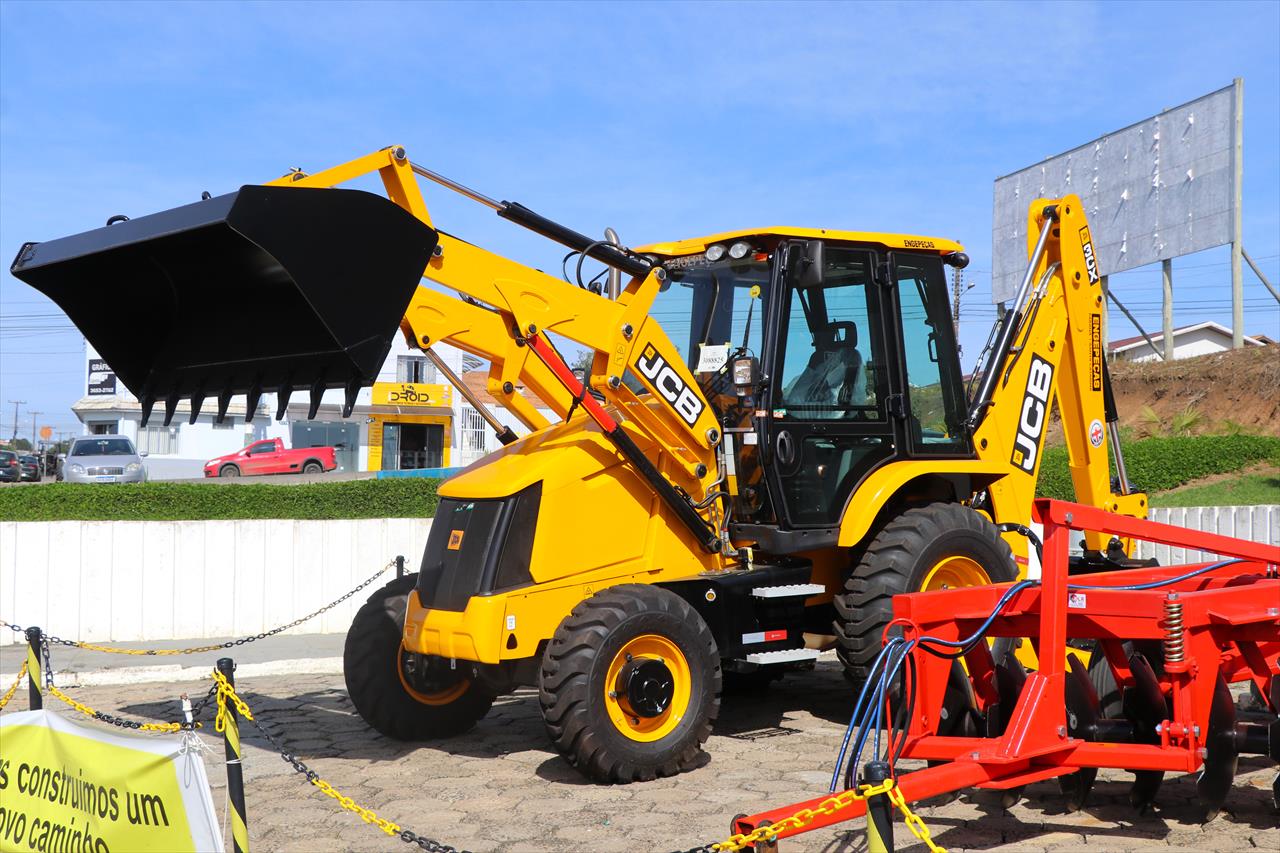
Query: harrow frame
x=1224, y=623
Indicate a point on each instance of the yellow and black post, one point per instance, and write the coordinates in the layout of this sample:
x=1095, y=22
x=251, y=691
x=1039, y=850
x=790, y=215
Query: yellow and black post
x=879, y=810
x=235, y=771
x=35, y=672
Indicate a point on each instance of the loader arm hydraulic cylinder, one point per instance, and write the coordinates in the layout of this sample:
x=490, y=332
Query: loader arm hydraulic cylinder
x=678, y=503
x=503, y=432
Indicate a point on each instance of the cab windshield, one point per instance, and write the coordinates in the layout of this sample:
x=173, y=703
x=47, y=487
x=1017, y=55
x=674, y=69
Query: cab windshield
x=712, y=309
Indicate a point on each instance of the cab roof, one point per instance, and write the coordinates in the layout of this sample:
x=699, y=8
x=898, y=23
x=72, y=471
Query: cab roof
x=695, y=245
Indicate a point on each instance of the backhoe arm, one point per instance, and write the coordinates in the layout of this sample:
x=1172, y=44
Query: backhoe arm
x=1049, y=347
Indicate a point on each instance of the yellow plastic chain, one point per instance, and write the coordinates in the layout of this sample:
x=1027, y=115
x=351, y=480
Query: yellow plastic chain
x=225, y=692
x=913, y=821
x=13, y=688
x=804, y=817
x=93, y=647
x=89, y=712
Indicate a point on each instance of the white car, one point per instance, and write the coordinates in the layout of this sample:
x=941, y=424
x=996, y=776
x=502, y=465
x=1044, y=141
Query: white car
x=104, y=459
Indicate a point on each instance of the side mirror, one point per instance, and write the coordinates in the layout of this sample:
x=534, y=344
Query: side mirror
x=811, y=265
x=144, y=454
x=746, y=375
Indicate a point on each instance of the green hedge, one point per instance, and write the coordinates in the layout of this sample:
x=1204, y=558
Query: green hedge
x=410, y=497
x=1158, y=464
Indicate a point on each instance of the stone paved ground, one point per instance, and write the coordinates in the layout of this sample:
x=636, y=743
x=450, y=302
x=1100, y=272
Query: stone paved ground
x=502, y=788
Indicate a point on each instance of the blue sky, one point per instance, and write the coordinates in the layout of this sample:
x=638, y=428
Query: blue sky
x=663, y=120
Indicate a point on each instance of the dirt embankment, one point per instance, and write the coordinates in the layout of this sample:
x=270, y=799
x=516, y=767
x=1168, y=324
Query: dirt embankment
x=1208, y=394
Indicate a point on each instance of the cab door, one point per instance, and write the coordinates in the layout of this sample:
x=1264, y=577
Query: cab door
x=828, y=409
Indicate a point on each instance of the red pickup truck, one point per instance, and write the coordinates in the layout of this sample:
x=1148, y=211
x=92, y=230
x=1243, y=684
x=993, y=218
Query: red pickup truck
x=272, y=457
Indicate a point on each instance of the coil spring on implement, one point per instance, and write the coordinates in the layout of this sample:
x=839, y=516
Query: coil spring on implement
x=1173, y=633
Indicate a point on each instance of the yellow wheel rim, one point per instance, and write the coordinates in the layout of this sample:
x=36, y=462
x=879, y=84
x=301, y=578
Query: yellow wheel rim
x=624, y=717
x=955, y=571
x=439, y=697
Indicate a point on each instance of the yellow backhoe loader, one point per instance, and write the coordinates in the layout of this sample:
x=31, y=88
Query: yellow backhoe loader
x=774, y=437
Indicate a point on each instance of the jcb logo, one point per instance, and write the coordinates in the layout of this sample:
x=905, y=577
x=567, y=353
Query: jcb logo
x=1035, y=412
x=455, y=540
x=1090, y=261
x=669, y=384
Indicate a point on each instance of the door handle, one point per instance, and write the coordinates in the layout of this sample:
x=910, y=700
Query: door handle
x=786, y=448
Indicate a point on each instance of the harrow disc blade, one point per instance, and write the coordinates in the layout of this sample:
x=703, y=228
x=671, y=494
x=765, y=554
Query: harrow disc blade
x=1083, y=710
x=1146, y=708
x=1221, y=752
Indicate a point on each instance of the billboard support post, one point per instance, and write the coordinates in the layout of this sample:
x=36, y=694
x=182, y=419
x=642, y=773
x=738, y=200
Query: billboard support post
x=1237, y=243
x=1166, y=277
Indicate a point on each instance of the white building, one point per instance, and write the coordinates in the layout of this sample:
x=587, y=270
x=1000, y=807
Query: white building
x=1188, y=342
x=411, y=419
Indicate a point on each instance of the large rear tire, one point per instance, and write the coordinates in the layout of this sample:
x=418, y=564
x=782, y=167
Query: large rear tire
x=631, y=685
x=939, y=546
x=404, y=696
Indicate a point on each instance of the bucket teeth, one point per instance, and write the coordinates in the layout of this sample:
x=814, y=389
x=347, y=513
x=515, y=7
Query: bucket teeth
x=349, y=399
x=282, y=400
x=251, y=399
x=224, y=401
x=197, y=403
x=148, y=403
x=171, y=407
x=1221, y=752
x=1083, y=710
x=1144, y=706
x=317, y=396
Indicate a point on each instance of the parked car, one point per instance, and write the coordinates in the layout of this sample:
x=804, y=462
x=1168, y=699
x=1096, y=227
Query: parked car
x=30, y=468
x=270, y=456
x=104, y=459
x=10, y=467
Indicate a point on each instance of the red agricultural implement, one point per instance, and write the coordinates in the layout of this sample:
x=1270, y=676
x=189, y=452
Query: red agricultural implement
x=1170, y=641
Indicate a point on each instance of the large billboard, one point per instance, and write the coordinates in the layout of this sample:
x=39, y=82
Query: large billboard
x=1155, y=190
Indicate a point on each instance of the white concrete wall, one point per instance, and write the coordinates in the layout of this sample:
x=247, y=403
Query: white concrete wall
x=1257, y=523
x=150, y=580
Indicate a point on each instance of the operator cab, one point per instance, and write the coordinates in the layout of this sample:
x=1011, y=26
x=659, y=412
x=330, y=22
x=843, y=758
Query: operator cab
x=825, y=355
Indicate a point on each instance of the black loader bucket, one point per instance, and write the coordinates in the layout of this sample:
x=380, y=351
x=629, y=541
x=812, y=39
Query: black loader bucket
x=265, y=289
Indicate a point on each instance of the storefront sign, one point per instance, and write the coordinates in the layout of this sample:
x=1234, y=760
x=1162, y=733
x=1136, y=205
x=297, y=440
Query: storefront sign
x=411, y=394
x=102, y=379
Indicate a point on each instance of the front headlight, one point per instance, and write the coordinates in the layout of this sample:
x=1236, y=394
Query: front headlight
x=132, y=467
x=76, y=469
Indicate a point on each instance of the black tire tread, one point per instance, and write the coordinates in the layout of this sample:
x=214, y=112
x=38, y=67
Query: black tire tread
x=565, y=694
x=887, y=567
x=370, y=659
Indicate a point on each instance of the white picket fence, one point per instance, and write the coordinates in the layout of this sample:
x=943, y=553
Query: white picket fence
x=154, y=580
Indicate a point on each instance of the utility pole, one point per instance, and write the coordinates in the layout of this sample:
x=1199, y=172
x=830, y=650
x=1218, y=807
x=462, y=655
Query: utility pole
x=33, y=430
x=16, y=404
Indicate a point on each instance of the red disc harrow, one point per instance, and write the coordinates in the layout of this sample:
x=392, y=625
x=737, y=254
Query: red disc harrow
x=1171, y=640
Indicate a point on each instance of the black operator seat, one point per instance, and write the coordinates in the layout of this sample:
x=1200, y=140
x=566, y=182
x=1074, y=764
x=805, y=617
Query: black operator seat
x=834, y=374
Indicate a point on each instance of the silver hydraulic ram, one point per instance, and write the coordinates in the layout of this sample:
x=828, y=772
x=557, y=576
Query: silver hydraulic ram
x=500, y=430
x=1009, y=325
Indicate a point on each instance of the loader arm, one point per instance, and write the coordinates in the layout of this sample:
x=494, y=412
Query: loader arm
x=510, y=309
x=1049, y=348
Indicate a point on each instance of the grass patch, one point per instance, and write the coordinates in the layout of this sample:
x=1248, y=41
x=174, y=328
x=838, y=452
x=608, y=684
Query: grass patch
x=410, y=497
x=1245, y=490
x=1160, y=464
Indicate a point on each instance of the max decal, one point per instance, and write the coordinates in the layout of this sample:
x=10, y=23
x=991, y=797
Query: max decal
x=1090, y=260
x=669, y=385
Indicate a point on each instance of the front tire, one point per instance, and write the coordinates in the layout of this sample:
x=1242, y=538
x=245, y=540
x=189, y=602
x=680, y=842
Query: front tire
x=939, y=546
x=631, y=685
x=404, y=696
x=228, y=471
